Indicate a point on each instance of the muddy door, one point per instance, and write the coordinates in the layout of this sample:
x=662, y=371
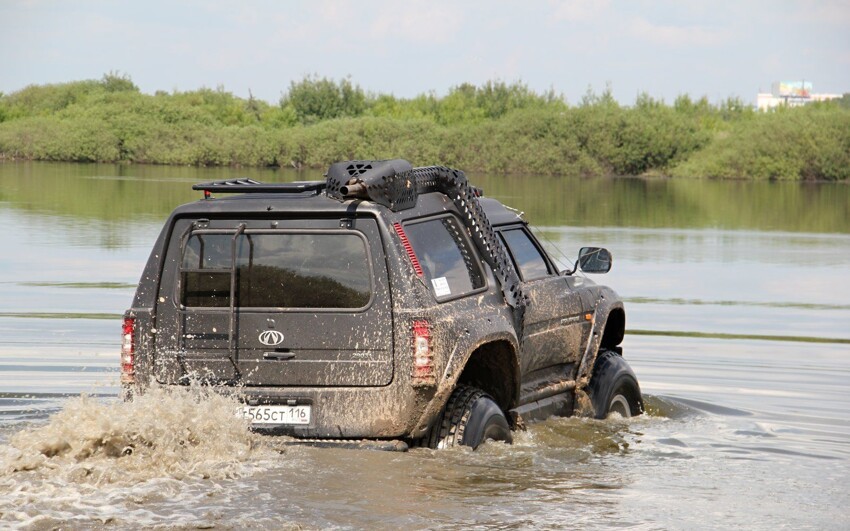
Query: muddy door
x=553, y=325
x=554, y=321
x=284, y=303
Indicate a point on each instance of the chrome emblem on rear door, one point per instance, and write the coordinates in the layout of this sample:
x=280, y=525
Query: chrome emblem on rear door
x=271, y=338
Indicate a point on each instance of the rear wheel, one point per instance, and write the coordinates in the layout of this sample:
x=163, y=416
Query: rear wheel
x=470, y=417
x=613, y=387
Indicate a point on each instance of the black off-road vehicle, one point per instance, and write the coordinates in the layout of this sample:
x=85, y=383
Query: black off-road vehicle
x=386, y=302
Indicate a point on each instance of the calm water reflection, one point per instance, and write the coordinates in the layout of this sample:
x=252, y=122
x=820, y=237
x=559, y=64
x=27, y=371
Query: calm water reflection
x=737, y=303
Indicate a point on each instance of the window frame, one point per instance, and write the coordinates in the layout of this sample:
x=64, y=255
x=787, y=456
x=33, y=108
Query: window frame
x=473, y=250
x=178, y=285
x=552, y=271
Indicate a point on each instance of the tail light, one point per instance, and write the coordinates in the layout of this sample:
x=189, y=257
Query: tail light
x=423, y=359
x=128, y=350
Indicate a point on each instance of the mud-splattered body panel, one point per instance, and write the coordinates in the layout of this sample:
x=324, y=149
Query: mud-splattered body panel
x=310, y=301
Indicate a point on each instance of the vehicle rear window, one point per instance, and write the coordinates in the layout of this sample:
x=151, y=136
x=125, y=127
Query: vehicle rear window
x=277, y=270
x=445, y=256
x=527, y=257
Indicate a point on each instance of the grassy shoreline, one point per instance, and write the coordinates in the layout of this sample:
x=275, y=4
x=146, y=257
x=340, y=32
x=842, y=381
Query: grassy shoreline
x=496, y=128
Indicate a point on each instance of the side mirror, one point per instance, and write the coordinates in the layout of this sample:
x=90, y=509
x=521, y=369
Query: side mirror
x=594, y=260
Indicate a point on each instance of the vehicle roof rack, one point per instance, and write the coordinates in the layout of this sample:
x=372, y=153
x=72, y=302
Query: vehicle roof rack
x=250, y=186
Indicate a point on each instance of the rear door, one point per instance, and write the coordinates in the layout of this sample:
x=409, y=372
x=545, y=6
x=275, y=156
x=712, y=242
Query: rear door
x=279, y=303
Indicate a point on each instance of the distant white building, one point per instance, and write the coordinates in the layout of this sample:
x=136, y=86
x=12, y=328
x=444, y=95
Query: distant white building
x=790, y=94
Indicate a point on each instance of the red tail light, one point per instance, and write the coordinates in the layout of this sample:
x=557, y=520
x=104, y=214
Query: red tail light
x=423, y=359
x=128, y=350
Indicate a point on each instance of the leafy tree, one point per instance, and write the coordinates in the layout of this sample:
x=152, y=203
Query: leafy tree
x=117, y=82
x=315, y=99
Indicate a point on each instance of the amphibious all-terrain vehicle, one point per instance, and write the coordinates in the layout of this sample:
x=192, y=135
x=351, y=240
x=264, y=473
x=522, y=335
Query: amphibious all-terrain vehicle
x=386, y=302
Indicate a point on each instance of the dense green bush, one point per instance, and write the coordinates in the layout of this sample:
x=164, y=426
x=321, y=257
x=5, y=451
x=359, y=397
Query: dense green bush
x=497, y=127
x=807, y=143
x=313, y=99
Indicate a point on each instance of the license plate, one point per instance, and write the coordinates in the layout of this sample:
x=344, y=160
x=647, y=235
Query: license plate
x=278, y=414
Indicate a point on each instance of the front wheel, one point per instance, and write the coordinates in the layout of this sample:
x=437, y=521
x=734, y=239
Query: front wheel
x=614, y=387
x=470, y=417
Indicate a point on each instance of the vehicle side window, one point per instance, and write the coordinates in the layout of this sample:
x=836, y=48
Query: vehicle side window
x=449, y=264
x=527, y=257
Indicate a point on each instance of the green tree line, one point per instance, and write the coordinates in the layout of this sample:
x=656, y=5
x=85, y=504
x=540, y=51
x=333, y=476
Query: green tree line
x=498, y=127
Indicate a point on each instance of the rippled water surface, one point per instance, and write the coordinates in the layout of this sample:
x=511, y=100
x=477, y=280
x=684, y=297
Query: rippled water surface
x=738, y=308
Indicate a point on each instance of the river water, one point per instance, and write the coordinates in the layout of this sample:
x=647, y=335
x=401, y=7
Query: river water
x=738, y=307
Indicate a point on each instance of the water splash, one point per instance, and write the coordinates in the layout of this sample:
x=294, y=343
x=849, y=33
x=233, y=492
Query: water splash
x=95, y=457
x=174, y=433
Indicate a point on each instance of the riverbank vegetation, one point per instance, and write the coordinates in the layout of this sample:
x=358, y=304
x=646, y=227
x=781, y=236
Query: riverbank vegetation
x=497, y=128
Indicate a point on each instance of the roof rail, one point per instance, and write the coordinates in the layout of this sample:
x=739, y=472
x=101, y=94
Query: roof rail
x=250, y=186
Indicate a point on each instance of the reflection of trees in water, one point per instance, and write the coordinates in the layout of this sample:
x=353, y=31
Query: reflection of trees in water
x=673, y=203
x=116, y=191
x=88, y=195
x=262, y=286
x=267, y=286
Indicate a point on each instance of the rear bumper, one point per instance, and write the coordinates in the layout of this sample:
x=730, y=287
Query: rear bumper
x=337, y=413
x=344, y=413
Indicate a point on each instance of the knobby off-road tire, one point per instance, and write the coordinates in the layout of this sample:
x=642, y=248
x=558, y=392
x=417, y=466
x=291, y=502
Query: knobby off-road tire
x=613, y=387
x=470, y=417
